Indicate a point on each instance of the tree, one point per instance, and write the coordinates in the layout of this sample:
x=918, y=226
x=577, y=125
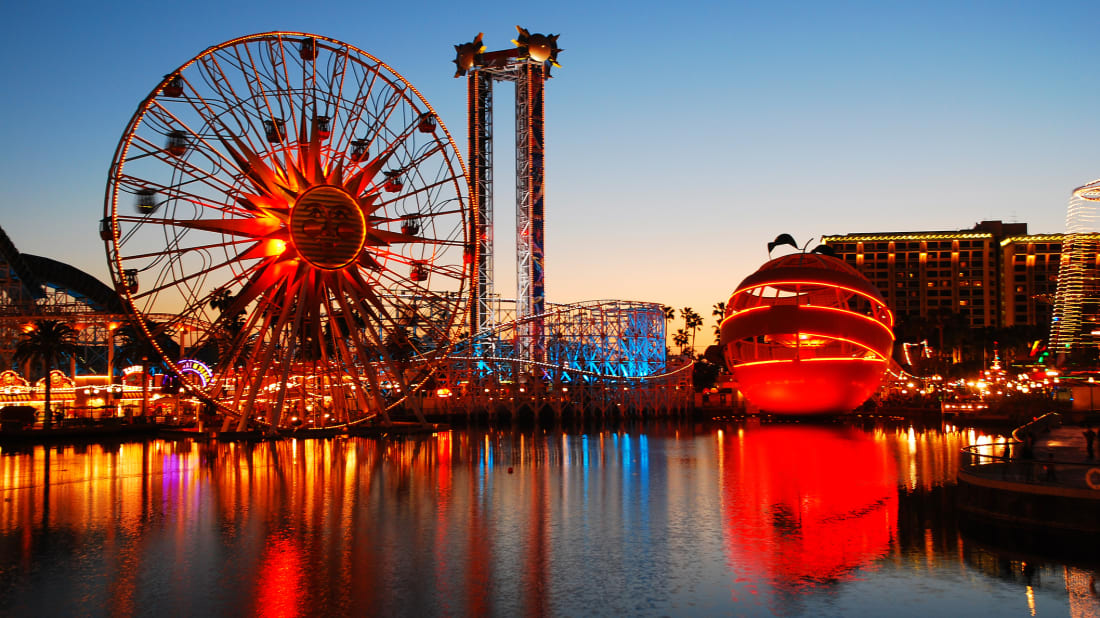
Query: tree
x=137, y=349
x=47, y=341
x=670, y=315
x=681, y=339
x=704, y=375
x=719, y=313
x=692, y=322
x=232, y=322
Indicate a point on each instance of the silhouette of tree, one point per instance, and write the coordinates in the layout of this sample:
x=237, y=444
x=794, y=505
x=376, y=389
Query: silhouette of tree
x=681, y=339
x=670, y=315
x=47, y=341
x=135, y=348
x=231, y=325
x=704, y=375
x=719, y=313
x=692, y=322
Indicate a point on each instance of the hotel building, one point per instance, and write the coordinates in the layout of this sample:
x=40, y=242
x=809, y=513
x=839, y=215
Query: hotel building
x=995, y=274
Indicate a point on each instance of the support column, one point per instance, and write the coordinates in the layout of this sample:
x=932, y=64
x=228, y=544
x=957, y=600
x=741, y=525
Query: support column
x=480, y=148
x=530, y=202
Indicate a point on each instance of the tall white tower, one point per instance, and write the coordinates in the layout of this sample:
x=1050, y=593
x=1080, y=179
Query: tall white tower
x=1076, y=322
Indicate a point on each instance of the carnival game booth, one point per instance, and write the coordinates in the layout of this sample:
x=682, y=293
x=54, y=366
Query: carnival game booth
x=17, y=391
x=94, y=397
x=82, y=397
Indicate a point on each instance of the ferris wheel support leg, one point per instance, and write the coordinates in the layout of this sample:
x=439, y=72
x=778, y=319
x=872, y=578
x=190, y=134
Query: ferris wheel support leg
x=277, y=413
x=376, y=404
x=418, y=407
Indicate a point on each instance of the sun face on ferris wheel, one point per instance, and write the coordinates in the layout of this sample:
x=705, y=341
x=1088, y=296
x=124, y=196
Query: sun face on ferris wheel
x=301, y=211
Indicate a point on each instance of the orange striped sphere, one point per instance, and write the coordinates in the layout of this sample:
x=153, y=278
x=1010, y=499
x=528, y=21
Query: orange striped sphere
x=807, y=334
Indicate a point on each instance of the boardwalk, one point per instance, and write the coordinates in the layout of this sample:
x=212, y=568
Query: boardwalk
x=1056, y=487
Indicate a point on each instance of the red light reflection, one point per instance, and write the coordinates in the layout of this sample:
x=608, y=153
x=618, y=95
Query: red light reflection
x=280, y=579
x=805, y=506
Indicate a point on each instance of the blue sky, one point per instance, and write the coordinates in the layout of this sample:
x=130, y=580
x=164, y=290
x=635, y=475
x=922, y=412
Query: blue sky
x=681, y=136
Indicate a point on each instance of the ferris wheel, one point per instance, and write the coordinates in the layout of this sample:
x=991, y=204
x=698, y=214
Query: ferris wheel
x=301, y=210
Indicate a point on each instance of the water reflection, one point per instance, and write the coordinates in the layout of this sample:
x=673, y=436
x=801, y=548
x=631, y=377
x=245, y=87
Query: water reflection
x=663, y=518
x=804, y=506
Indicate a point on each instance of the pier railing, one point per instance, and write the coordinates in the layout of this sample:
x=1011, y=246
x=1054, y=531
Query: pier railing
x=1008, y=462
x=1038, y=425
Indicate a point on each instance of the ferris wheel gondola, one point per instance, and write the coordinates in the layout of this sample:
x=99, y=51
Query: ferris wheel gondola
x=265, y=189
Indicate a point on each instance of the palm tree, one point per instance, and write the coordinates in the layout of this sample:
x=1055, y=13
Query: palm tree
x=719, y=313
x=47, y=341
x=670, y=313
x=136, y=348
x=232, y=323
x=681, y=339
x=692, y=321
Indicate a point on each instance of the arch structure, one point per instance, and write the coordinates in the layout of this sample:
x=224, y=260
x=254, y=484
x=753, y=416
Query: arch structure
x=34, y=287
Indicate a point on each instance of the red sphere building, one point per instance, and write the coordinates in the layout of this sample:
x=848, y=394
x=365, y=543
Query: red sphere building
x=807, y=334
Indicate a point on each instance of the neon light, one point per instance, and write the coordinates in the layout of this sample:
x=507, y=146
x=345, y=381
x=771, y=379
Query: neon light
x=812, y=360
x=807, y=382
x=196, y=367
x=887, y=237
x=1037, y=238
x=845, y=312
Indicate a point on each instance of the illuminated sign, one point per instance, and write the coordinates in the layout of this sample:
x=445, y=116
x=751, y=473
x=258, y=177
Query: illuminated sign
x=197, y=368
x=10, y=379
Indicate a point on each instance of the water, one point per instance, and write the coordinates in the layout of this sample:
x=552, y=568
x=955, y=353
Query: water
x=660, y=519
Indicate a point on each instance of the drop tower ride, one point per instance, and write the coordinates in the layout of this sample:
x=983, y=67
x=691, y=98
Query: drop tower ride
x=528, y=67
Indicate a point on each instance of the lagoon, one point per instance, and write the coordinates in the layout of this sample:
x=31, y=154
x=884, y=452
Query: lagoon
x=660, y=518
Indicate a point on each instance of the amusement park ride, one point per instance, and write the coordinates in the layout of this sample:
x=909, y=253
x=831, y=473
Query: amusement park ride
x=299, y=213
x=807, y=334
x=528, y=65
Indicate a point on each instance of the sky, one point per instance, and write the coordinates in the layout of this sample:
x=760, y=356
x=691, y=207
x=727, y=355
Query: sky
x=681, y=137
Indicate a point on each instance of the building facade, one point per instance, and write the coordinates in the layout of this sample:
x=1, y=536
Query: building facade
x=993, y=275
x=925, y=274
x=1029, y=278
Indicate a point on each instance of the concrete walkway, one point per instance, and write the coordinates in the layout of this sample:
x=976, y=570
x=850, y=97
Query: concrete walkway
x=1067, y=444
x=1060, y=461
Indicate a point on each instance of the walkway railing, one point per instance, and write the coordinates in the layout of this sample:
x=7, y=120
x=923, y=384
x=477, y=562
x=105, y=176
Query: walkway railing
x=1039, y=425
x=1006, y=462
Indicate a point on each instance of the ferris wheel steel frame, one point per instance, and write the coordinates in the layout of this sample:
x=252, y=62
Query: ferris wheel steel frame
x=308, y=203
